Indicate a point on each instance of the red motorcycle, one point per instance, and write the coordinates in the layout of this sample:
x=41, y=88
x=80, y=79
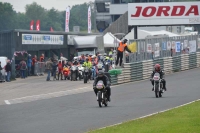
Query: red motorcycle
x=66, y=73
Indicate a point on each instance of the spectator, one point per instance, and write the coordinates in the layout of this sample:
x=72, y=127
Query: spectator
x=29, y=65
x=42, y=58
x=111, y=51
x=49, y=65
x=34, y=60
x=23, y=68
x=0, y=72
x=8, y=70
x=54, y=68
x=60, y=68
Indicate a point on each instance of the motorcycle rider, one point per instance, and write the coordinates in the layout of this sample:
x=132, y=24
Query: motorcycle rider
x=161, y=72
x=76, y=63
x=88, y=64
x=106, y=82
x=94, y=64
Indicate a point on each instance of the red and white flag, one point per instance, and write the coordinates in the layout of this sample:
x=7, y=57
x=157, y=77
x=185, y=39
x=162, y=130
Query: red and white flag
x=51, y=29
x=31, y=24
x=67, y=19
x=38, y=25
x=89, y=20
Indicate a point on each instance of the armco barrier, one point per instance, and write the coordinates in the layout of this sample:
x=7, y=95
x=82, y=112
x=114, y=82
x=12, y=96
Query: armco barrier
x=142, y=70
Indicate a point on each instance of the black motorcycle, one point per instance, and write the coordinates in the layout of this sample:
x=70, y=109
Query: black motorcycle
x=86, y=75
x=158, y=85
x=102, y=96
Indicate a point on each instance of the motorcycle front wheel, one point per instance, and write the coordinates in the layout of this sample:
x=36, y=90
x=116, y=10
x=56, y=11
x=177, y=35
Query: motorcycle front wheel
x=156, y=91
x=99, y=94
x=85, y=79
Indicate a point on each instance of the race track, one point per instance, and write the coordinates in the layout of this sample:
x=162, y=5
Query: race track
x=77, y=113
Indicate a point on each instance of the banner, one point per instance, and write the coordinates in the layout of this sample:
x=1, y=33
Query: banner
x=89, y=20
x=67, y=19
x=133, y=47
x=51, y=29
x=31, y=24
x=192, y=45
x=178, y=46
x=42, y=39
x=157, y=50
x=164, y=46
x=198, y=42
x=169, y=45
x=38, y=25
x=149, y=48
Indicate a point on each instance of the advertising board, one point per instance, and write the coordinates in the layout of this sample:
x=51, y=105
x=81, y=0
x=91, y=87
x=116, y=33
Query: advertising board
x=42, y=39
x=164, y=13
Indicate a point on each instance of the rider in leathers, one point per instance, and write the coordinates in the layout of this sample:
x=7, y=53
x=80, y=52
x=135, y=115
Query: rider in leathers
x=106, y=82
x=158, y=70
x=76, y=63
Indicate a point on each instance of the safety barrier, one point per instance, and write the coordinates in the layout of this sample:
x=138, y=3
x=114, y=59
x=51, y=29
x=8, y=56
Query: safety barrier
x=39, y=68
x=142, y=70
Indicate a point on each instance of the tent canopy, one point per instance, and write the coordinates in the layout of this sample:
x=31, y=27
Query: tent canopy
x=109, y=40
x=85, y=41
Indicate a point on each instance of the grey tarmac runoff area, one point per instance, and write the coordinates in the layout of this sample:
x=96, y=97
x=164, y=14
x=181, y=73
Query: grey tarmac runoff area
x=33, y=105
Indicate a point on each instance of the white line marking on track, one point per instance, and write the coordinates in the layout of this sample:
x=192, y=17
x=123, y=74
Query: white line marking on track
x=48, y=95
x=6, y=101
x=153, y=114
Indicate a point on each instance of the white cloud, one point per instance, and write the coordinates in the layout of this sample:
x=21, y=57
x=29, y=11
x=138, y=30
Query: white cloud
x=19, y=5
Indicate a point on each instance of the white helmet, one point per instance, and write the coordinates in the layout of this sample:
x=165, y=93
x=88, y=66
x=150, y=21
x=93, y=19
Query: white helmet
x=94, y=56
x=75, y=58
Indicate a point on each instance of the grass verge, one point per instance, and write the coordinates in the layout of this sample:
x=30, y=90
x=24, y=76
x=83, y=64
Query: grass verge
x=185, y=119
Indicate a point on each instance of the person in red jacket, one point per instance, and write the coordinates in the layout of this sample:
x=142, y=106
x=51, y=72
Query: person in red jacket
x=60, y=70
x=34, y=60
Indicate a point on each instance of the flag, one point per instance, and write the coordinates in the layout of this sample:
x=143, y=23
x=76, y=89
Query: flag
x=51, y=29
x=31, y=24
x=67, y=19
x=132, y=47
x=89, y=20
x=38, y=25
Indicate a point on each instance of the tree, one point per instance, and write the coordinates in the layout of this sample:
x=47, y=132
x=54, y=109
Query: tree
x=7, y=16
x=37, y=12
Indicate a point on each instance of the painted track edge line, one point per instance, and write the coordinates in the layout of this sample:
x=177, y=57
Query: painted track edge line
x=151, y=114
x=7, y=102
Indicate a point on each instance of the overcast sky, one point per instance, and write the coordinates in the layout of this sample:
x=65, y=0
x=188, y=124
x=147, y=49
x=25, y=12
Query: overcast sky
x=19, y=5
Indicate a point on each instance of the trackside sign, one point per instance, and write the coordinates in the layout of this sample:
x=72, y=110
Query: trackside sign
x=164, y=13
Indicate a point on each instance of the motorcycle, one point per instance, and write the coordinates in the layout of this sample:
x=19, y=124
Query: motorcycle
x=74, y=70
x=66, y=73
x=158, y=85
x=86, y=75
x=100, y=65
x=101, y=94
x=80, y=72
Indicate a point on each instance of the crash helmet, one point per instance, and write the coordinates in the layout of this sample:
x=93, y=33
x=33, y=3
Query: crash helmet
x=94, y=56
x=90, y=54
x=100, y=73
x=75, y=58
x=157, y=67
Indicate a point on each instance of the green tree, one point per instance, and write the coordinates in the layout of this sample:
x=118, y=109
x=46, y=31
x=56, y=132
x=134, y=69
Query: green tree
x=7, y=16
x=37, y=12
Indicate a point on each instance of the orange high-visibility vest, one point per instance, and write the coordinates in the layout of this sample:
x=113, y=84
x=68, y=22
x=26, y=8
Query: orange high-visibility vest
x=121, y=47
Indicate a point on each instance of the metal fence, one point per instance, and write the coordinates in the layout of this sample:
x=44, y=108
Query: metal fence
x=159, y=47
x=39, y=68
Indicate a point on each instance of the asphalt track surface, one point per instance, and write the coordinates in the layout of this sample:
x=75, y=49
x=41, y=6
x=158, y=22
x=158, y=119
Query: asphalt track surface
x=80, y=112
